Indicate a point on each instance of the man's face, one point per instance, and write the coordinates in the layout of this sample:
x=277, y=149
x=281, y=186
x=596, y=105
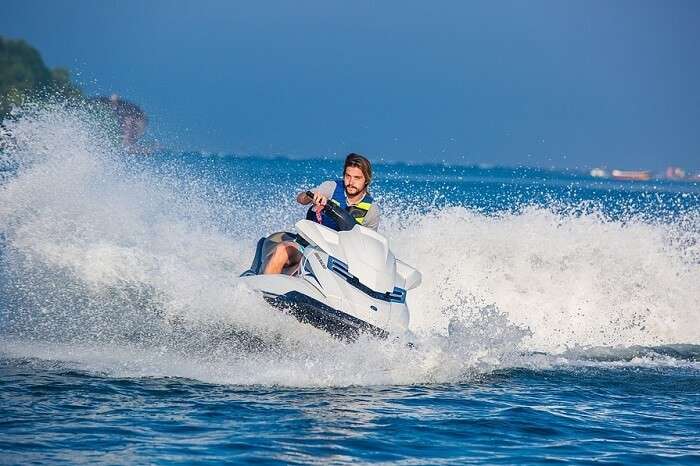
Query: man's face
x=354, y=181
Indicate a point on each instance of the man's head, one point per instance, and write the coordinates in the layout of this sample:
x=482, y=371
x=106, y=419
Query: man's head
x=357, y=174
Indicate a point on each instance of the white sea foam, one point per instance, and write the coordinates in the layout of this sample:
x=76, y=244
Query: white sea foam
x=572, y=280
x=133, y=271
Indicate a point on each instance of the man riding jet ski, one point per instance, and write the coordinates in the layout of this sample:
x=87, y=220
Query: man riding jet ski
x=337, y=273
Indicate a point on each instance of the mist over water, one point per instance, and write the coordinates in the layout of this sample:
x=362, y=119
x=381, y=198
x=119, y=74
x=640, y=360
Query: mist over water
x=128, y=265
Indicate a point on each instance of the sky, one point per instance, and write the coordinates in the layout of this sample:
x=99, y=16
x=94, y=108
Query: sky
x=560, y=83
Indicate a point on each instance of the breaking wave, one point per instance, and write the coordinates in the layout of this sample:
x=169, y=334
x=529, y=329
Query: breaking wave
x=128, y=267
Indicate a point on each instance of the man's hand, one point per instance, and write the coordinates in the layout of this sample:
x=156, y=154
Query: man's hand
x=319, y=200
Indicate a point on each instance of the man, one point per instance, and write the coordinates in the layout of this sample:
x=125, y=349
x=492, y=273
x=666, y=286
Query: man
x=350, y=193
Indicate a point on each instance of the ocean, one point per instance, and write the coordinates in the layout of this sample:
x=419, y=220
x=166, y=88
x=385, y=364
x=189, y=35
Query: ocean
x=558, y=318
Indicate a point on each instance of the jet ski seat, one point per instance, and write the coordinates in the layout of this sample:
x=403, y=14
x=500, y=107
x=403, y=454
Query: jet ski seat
x=264, y=250
x=255, y=266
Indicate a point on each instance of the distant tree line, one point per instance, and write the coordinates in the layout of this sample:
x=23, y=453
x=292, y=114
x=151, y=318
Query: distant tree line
x=23, y=73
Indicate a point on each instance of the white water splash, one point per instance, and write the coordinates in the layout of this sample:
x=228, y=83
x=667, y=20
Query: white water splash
x=572, y=280
x=134, y=272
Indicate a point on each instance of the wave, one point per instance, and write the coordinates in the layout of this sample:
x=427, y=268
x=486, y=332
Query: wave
x=131, y=268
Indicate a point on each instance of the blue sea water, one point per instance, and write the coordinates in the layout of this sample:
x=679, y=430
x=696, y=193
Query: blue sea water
x=557, y=320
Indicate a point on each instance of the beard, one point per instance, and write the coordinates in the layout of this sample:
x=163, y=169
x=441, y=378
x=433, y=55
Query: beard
x=352, y=191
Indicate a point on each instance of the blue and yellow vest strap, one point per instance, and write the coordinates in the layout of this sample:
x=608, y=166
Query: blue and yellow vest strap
x=359, y=210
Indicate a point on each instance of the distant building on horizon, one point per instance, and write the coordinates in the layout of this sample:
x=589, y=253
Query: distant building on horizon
x=636, y=175
x=675, y=173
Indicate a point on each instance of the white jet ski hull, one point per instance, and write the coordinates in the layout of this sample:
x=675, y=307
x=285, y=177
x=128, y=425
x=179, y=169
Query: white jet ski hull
x=365, y=294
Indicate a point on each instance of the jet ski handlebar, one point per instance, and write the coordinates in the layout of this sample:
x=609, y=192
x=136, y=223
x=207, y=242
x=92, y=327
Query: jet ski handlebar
x=342, y=217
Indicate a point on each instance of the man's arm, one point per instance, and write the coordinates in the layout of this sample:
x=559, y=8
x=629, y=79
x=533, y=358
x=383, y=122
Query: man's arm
x=322, y=193
x=372, y=218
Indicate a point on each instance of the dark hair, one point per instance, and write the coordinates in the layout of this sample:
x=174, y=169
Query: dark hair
x=361, y=162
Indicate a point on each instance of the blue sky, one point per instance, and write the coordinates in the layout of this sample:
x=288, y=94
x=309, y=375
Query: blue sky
x=542, y=83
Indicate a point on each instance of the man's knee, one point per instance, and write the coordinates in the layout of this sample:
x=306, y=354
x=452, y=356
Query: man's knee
x=280, y=252
x=283, y=255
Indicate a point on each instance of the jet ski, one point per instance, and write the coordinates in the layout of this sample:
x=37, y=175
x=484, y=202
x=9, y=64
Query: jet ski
x=347, y=283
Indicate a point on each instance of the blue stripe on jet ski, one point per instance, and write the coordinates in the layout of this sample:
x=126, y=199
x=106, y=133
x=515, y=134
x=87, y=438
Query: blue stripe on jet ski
x=310, y=311
x=341, y=268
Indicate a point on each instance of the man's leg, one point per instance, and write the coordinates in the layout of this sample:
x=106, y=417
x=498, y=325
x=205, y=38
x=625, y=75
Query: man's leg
x=284, y=255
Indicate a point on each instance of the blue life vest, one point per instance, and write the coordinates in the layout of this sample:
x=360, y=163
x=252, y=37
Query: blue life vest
x=358, y=211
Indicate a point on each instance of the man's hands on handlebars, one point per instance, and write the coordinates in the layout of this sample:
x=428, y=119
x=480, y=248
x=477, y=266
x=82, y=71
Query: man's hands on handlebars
x=315, y=198
x=342, y=217
x=319, y=199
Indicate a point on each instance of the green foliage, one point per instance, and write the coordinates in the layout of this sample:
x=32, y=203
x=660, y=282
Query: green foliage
x=23, y=73
x=63, y=84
